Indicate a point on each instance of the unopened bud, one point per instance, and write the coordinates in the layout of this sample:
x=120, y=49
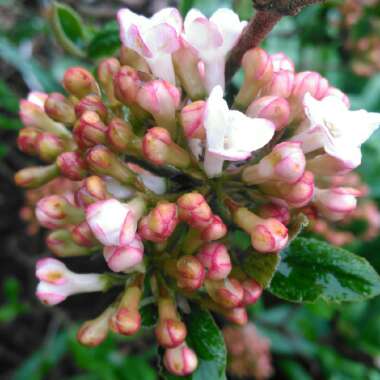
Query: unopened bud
x=83, y=236
x=61, y=244
x=91, y=103
x=326, y=165
x=159, y=148
x=92, y=189
x=273, y=210
x=237, y=315
x=181, y=360
x=26, y=140
x=216, y=260
x=126, y=85
x=59, y=108
x=267, y=235
x=192, y=117
x=49, y=146
x=121, y=137
x=215, y=230
x=285, y=163
x=107, y=69
x=80, y=82
x=273, y=108
x=281, y=84
x=163, y=219
x=252, y=292
x=72, y=166
x=131, y=58
x=191, y=273
x=227, y=292
x=36, y=176
x=90, y=130
x=281, y=61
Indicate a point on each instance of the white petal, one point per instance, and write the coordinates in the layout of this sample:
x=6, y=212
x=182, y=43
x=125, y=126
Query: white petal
x=170, y=16
x=196, y=147
x=118, y=190
x=153, y=182
x=192, y=15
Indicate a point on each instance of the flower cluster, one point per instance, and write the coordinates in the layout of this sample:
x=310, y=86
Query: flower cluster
x=165, y=168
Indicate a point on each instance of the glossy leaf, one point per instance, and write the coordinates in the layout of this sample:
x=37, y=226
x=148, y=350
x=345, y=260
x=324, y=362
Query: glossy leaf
x=311, y=269
x=105, y=42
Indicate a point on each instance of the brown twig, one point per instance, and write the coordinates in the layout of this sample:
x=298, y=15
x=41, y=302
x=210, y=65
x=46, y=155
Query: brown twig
x=269, y=12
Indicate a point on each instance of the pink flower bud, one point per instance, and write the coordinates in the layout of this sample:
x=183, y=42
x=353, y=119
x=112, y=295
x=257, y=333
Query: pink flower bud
x=127, y=320
x=163, y=219
x=326, y=165
x=281, y=61
x=126, y=85
x=49, y=146
x=26, y=140
x=181, y=360
x=336, y=203
x=91, y=103
x=192, y=117
x=59, y=108
x=125, y=257
x=89, y=130
x=170, y=333
x=194, y=210
x=252, y=292
x=267, y=235
x=92, y=189
x=114, y=223
x=72, y=166
x=160, y=99
x=227, y=292
x=121, y=137
x=83, y=236
x=216, y=260
x=159, y=148
x=36, y=176
x=57, y=282
x=285, y=163
x=146, y=233
x=273, y=108
x=95, y=331
x=237, y=315
x=131, y=58
x=215, y=229
x=272, y=210
x=311, y=82
x=80, y=82
x=107, y=69
x=191, y=273
x=61, y=244
x=281, y=84
x=54, y=211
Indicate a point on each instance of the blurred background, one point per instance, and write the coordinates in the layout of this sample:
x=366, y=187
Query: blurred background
x=341, y=40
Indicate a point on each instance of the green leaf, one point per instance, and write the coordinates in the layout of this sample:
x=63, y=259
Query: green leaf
x=68, y=29
x=8, y=99
x=105, y=42
x=261, y=266
x=311, y=269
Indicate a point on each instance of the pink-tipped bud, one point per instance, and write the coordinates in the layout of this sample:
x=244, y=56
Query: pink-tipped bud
x=121, y=137
x=107, y=69
x=95, y=331
x=170, y=333
x=326, y=165
x=281, y=61
x=285, y=163
x=146, y=233
x=90, y=130
x=192, y=117
x=181, y=360
x=273, y=210
x=126, y=85
x=161, y=99
x=159, y=148
x=267, y=235
x=72, y=166
x=124, y=258
x=36, y=176
x=336, y=203
x=191, y=273
x=91, y=103
x=80, y=82
x=252, y=292
x=92, y=189
x=309, y=82
x=237, y=315
x=215, y=230
x=163, y=219
x=216, y=260
x=26, y=140
x=59, y=108
x=54, y=211
x=49, y=146
x=61, y=244
x=257, y=65
x=281, y=84
x=127, y=320
x=227, y=292
x=82, y=235
x=194, y=210
x=273, y=108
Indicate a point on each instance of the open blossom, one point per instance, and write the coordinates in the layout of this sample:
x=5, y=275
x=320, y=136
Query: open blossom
x=231, y=135
x=213, y=39
x=336, y=129
x=154, y=38
x=114, y=223
x=57, y=282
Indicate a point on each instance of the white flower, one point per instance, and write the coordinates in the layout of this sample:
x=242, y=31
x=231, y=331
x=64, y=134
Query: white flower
x=57, y=282
x=336, y=129
x=213, y=39
x=114, y=223
x=154, y=38
x=231, y=135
